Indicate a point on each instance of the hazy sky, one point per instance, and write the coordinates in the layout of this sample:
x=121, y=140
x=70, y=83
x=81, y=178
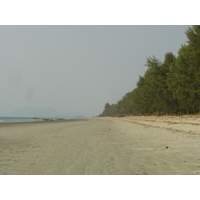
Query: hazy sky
x=77, y=68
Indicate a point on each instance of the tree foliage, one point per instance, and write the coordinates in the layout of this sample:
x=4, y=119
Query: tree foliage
x=170, y=86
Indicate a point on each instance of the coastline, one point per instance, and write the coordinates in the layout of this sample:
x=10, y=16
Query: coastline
x=40, y=121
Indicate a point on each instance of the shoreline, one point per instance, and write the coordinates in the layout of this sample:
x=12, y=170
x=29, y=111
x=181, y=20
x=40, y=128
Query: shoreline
x=38, y=122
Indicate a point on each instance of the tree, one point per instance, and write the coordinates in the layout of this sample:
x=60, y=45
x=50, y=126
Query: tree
x=169, y=103
x=169, y=86
x=181, y=80
x=193, y=34
x=184, y=75
x=106, y=110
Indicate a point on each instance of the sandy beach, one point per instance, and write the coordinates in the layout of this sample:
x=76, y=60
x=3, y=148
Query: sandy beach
x=102, y=146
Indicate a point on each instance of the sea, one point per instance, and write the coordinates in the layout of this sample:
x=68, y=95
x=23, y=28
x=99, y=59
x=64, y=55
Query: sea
x=30, y=119
x=19, y=119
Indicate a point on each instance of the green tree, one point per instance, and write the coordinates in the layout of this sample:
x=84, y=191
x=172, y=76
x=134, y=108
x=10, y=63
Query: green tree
x=167, y=87
x=169, y=103
x=184, y=76
x=106, y=111
x=151, y=90
x=193, y=34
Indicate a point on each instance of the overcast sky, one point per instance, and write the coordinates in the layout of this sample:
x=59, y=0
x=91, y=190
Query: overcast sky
x=77, y=68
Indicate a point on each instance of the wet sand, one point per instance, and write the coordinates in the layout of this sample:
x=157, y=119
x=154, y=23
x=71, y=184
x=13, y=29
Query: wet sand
x=98, y=146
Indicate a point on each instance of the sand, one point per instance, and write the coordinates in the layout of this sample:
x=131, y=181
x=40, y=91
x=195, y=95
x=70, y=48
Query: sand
x=102, y=146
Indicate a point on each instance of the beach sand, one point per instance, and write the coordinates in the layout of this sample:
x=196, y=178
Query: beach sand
x=100, y=146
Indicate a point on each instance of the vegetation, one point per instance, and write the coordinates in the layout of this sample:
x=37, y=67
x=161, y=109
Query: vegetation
x=172, y=86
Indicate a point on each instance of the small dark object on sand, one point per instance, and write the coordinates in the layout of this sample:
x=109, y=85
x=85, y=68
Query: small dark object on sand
x=166, y=147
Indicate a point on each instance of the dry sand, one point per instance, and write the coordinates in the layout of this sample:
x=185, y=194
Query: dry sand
x=128, y=145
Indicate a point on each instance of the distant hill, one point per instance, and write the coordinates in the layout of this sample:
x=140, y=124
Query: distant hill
x=31, y=111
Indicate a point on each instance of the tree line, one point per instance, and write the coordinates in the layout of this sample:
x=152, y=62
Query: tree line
x=171, y=86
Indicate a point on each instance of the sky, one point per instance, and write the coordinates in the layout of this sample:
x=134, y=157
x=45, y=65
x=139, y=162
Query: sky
x=78, y=68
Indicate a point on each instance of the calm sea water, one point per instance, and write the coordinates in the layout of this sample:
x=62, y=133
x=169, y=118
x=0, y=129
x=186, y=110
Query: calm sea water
x=17, y=119
x=30, y=119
